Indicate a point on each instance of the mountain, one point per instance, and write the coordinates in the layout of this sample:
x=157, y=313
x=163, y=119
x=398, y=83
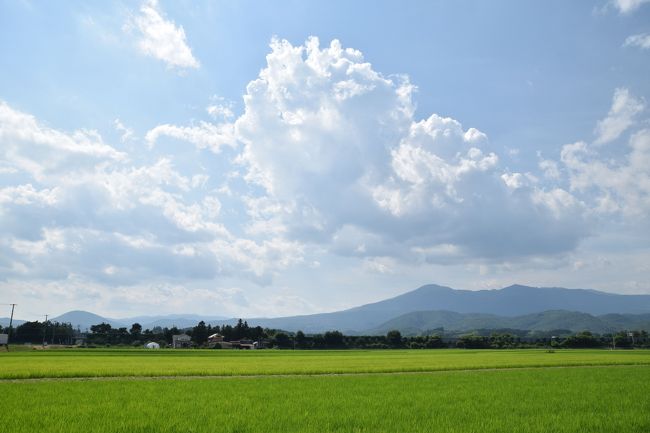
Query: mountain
x=419, y=322
x=4, y=321
x=170, y=320
x=514, y=300
x=84, y=320
x=485, y=306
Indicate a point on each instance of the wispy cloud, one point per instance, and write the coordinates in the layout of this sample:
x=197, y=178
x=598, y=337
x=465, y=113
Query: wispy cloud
x=161, y=38
x=621, y=116
x=642, y=40
x=628, y=6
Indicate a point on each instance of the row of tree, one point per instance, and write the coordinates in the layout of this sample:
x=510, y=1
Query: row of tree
x=40, y=332
x=104, y=334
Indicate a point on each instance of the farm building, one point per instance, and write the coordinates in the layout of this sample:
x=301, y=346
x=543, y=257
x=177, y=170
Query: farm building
x=181, y=341
x=215, y=338
x=152, y=345
x=243, y=344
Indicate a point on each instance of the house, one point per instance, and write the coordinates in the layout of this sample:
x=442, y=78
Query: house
x=215, y=338
x=244, y=344
x=181, y=341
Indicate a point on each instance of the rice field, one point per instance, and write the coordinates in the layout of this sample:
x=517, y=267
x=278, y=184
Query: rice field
x=282, y=391
x=117, y=363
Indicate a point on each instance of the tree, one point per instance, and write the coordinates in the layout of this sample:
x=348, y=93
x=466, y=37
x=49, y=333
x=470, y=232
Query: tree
x=473, y=341
x=200, y=333
x=394, y=338
x=582, y=340
x=29, y=332
x=282, y=340
x=434, y=342
x=301, y=340
x=334, y=339
x=102, y=328
x=136, y=330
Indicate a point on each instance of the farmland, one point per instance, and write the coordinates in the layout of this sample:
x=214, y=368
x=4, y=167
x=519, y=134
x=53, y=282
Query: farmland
x=285, y=391
x=115, y=363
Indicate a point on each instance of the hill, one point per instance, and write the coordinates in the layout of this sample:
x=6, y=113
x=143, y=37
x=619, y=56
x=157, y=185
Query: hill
x=84, y=320
x=419, y=322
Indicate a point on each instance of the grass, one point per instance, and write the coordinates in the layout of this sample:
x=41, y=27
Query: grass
x=116, y=363
x=600, y=399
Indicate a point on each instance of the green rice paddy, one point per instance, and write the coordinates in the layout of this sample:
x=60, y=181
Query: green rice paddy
x=281, y=391
x=115, y=363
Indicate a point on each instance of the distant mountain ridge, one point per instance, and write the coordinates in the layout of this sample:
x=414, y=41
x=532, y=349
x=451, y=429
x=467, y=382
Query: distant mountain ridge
x=509, y=302
x=4, y=321
x=422, y=322
x=514, y=300
x=84, y=320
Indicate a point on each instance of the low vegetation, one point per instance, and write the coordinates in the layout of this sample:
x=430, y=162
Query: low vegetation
x=577, y=400
x=131, y=362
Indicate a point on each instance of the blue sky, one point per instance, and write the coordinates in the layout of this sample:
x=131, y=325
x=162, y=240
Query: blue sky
x=272, y=158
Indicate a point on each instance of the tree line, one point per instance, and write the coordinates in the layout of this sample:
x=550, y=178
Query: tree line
x=104, y=334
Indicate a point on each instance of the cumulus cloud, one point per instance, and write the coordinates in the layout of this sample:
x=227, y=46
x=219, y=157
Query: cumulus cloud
x=337, y=148
x=161, y=38
x=625, y=107
x=619, y=186
x=641, y=40
x=31, y=147
x=70, y=204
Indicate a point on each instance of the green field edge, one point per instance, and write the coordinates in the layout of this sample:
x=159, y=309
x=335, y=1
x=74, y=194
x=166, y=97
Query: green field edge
x=146, y=376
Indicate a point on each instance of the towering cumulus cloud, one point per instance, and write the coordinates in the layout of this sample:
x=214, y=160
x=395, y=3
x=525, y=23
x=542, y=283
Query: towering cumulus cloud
x=337, y=146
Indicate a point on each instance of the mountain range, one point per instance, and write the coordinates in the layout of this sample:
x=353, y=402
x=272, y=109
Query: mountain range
x=433, y=306
x=84, y=320
x=510, y=301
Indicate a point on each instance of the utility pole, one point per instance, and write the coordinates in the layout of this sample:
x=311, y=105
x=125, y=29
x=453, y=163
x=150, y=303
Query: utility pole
x=11, y=321
x=44, y=329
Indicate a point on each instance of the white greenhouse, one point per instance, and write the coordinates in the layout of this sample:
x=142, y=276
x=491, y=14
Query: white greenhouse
x=152, y=345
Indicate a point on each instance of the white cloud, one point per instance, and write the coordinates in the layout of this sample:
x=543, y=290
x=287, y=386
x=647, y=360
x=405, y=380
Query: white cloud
x=642, y=40
x=335, y=144
x=220, y=108
x=628, y=6
x=621, y=116
x=619, y=186
x=32, y=147
x=127, y=133
x=204, y=135
x=161, y=38
x=550, y=169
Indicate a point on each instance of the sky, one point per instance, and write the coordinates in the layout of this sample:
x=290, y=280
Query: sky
x=252, y=159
